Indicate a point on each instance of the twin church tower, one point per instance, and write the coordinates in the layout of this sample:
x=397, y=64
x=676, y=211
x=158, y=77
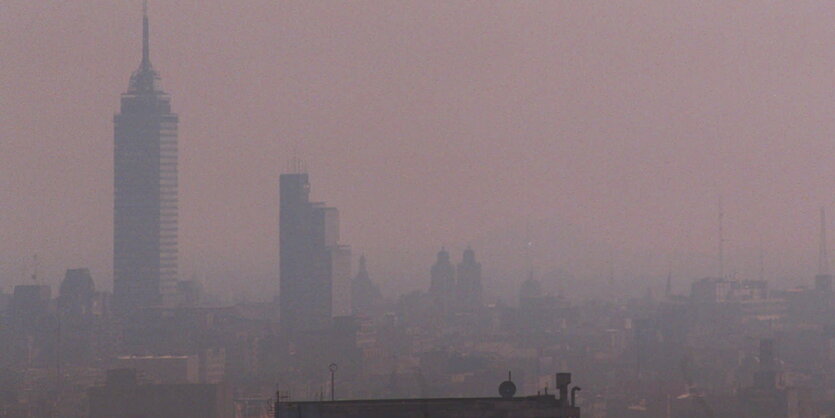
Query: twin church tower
x=315, y=269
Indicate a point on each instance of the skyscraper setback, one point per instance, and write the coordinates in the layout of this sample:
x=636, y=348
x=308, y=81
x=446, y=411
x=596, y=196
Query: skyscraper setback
x=145, y=184
x=313, y=264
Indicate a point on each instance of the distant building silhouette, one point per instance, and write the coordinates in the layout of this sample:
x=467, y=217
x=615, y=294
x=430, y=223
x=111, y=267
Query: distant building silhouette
x=77, y=294
x=189, y=293
x=442, y=282
x=32, y=326
x=123, y=395
x=4, y=301
x=365, y=295
x=145, y=179
x=717, y=290
x=312, y=262
x=80, y=308
x=823, y=280
x=530, y=292
x=162, y=369
x=30, y=301
x=468, y=283
x=340, y=265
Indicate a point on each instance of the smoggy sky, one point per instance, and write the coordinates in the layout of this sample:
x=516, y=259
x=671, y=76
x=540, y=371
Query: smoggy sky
x=611, y=128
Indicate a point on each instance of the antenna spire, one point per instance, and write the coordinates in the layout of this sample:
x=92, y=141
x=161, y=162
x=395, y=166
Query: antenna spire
x=529, y=247
x=145, y=79
x=721, y=249
x=146, y=48
x=823, y=255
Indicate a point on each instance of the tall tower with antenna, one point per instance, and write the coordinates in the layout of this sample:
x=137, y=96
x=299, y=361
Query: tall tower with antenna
x=145, y=206
x=823, y=280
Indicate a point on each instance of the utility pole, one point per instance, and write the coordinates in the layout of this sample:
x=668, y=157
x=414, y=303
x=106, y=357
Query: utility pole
x=333, y=367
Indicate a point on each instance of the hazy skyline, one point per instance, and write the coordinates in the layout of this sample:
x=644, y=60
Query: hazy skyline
x=608, y=125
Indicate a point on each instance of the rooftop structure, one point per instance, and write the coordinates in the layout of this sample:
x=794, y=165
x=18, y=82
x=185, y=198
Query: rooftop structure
x=505, y=406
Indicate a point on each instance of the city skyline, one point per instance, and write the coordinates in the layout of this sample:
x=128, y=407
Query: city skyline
x=541, y=91
x=612, y=208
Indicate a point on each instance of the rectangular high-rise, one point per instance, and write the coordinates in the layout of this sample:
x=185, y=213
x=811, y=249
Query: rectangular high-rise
x=310, y=256
x=145, y=186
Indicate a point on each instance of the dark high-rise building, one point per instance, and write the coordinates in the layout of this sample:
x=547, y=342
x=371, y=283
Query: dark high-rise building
x=823, y=280
x=77, y=294
x=31, y=326
x=468, y=283
x=145, y=182
x=79, y=306
x=30, y=301
x=340, y=265
x=311, y=260
x=442, y=284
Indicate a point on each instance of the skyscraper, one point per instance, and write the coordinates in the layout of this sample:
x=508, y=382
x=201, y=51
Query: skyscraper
x=442, y=284
x=145, y=183
x=312, y=262
x=823, y=280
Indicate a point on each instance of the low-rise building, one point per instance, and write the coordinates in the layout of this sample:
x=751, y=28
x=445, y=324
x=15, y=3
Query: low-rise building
x=162, y=369
x=123, y=396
